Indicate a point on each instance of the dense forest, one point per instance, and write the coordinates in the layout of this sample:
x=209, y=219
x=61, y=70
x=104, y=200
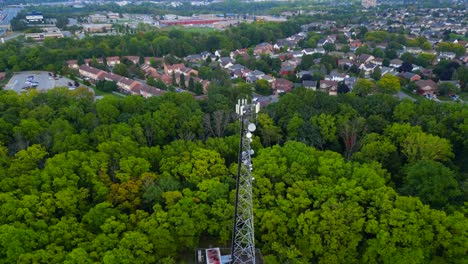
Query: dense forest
x=343, y=179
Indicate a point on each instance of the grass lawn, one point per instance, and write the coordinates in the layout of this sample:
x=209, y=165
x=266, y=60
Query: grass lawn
x=444, y=98
x=464, y=96
x=411, y=94
x=101, y=93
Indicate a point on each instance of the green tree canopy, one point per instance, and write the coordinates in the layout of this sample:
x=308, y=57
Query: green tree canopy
x=388, y=84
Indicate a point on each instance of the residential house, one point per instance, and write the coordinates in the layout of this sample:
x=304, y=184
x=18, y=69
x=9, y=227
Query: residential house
x=128, y=84
x=297, y=54
x=355, y=43
x=415, y=67
x=263, y=48
x=465, y=58
x=155, y=59
x=73, y=64
x=112, y=61
x=88, y=61
x=204, y=83
x=396, y=63
x=368, y=68
x=193, y=58
x=148, y=91
x=427, y=73
x=270, y=79
x=284, y=44
x=322, y=42
x=350, y=82
x=91, y=73
x=294, y=62
x=109, y=76
x=446, y=55
x=216, y=54
x=350, y=56
x=345, y=62
x=320, y=50
x=281, y=85
x=302, y=73
x=329, y=87
x=226, y=62
x=285, y=56
x=312, y=85
x=382, y=46
x=239, y=52
x=365, y=58
x=426, y=87
x=387, y=70
x=253, y=76
x=287, y=69
x=413, y=77
x=150, y=71
x=166, y=78
x=258, y=74
x=236, y=70
x=237, y=73
x=378, y=61
x=168, y=69
x=414, y=50
x=188, y=72
x=134, y=59
x=308, y=51
x=206, y=54
x=246, y=72
x=336, y=76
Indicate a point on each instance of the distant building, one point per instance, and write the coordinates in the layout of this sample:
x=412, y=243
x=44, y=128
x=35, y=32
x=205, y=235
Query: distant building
x=97, y=18
x=113, y=16
x=369, y=3
x=48, y=32
x=97, y=28
x=34, y=16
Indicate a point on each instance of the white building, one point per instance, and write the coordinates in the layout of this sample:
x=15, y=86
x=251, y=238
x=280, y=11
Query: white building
x=34, y=17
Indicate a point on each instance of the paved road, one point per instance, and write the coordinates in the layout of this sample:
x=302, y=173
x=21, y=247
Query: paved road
x=12, y=36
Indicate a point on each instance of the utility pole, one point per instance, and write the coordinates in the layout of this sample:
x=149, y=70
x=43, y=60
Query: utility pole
x=243, y=240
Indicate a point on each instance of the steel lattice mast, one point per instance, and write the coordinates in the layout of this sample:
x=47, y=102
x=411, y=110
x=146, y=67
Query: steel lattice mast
x=243, y=240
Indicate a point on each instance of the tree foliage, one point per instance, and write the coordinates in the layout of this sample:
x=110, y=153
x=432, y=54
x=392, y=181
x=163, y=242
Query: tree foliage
x=134, y=180
x=388, y=84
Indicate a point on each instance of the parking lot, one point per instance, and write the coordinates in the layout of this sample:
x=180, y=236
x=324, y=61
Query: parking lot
x=40, y=80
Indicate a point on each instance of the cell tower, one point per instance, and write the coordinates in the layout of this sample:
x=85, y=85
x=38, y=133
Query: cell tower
x=243, y=240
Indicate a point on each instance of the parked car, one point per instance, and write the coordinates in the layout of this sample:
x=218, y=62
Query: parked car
x=454, y=97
